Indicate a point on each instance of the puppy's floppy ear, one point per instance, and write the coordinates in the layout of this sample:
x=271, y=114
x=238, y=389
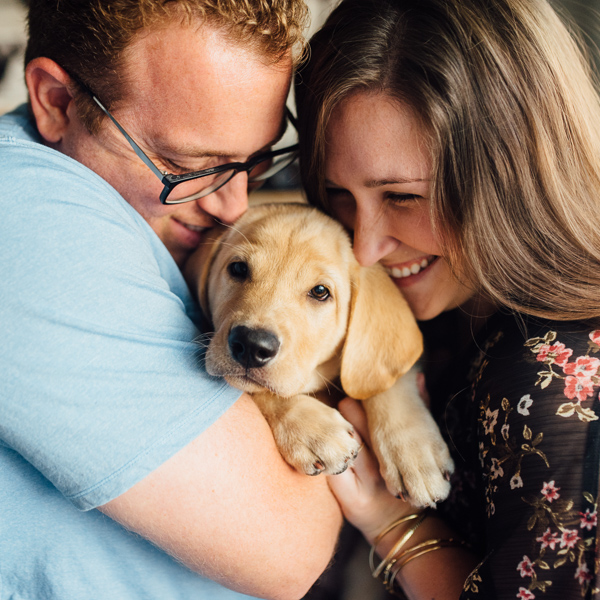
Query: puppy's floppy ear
x=197, y=267
x=383, y=340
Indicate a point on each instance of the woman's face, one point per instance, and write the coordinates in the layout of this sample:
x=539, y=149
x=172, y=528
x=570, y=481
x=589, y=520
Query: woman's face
x=377, y=171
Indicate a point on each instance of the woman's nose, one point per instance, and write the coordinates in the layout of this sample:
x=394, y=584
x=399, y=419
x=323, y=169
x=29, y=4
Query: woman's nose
x=228, y=203
x=371, y=242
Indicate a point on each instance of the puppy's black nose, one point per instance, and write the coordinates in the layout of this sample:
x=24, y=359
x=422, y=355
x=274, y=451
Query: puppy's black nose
x=252, y=347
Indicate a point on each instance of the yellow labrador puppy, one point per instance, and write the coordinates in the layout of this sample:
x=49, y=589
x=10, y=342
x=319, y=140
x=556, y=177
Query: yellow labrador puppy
x=294, y=314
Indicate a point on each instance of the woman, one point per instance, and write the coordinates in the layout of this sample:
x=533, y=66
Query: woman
x=459, y=142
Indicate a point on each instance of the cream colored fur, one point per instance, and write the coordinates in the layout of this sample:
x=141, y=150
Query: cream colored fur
x=363, y=334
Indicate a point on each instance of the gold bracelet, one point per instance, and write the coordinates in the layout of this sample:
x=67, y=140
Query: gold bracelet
x=415, y=552
x=385, y=532
x=420, y=517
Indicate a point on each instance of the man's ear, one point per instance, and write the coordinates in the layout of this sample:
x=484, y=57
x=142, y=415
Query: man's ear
x=50, y=93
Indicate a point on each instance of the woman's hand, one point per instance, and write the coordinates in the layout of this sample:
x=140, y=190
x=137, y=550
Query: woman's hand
x=361, y=490
x=369, y=506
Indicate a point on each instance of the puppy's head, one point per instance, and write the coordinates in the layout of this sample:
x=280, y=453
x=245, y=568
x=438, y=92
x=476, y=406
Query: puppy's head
x=290, y=306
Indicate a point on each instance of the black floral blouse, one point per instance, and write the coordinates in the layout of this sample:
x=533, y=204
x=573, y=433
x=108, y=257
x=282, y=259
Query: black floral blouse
x=522, y=422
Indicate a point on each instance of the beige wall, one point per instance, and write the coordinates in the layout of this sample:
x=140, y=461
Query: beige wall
x=12, y=40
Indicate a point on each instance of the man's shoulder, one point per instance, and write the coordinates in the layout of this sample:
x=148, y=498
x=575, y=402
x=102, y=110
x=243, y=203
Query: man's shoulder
x=35, y=173
x=18, y=125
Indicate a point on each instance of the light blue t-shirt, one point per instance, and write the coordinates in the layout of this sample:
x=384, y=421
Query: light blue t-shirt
x=100, y=380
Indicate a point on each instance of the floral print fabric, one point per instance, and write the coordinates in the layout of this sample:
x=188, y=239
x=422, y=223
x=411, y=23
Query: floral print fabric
x=524, y=428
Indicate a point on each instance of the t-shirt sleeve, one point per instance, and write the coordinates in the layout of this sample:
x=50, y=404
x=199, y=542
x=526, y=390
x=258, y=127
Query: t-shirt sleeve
x=538, y=445
x=102, y=368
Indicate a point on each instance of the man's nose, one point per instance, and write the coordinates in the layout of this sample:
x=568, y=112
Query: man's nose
x=228, y=203
x=371, y=239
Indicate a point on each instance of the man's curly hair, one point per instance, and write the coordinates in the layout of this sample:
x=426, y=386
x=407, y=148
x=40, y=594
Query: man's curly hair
x=88, y=38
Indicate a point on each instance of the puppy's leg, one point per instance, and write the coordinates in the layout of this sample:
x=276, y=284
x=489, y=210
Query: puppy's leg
x=311, y=436
x=412, y=454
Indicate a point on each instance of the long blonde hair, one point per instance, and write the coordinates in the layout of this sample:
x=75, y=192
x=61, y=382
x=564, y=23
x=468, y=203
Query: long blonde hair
x=509, y=101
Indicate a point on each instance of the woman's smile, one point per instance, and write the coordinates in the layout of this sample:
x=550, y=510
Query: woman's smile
x=377, y=172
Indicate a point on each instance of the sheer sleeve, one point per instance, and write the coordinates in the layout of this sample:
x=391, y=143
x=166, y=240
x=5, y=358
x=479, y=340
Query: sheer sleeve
x=532, y=396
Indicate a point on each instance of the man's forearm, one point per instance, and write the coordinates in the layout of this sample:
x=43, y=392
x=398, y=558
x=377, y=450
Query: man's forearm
x=231, y=509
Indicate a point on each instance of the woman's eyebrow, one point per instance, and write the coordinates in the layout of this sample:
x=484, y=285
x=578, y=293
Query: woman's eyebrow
x=373, y=183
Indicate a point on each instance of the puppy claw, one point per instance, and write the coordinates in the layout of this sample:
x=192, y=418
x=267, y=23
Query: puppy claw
x=342, y=470
x=315, y=438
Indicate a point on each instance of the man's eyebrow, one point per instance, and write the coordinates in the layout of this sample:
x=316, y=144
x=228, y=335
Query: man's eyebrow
x=165, y=149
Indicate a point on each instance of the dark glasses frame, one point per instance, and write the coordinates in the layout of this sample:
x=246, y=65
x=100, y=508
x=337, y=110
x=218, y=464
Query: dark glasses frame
x=171, y=181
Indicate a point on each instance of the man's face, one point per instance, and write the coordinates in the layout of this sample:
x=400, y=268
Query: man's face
x=193, y=100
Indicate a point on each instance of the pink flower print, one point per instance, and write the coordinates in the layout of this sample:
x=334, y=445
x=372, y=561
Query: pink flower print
x=555, y=354
x=525, y=567
x=595, y=337
x=569, y=538
x=548, y=539
x=589, y=520
x=550, y=491
x=583, y=574
x=579, y=386
x=584, y=366
x=525, y=594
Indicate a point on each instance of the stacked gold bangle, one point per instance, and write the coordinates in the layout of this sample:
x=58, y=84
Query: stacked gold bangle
x=397, y=559
x=417, y=517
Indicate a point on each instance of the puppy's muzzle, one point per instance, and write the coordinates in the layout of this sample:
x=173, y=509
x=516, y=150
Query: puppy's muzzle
x=252, y=348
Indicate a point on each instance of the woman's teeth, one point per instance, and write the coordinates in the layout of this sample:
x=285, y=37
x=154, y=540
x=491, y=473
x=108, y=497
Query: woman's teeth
x=407, y=271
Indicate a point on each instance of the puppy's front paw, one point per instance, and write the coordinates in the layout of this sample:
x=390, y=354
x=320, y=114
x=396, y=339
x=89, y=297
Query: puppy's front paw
x=414, y=460
x=413, y=457
x=315, y=438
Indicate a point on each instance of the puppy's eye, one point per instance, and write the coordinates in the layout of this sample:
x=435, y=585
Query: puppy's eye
x=319, y=292
x=238, y=270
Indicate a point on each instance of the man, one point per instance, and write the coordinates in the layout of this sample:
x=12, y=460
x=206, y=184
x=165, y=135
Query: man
x=105, y=405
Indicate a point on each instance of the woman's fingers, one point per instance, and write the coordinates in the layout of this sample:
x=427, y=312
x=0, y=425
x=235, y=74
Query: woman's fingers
x=360, y=489
x=353, y=412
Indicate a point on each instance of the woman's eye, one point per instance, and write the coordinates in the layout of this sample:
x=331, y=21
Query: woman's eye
x=331, y=191
x=238, y=270
x=400, y=198
x=319, y=292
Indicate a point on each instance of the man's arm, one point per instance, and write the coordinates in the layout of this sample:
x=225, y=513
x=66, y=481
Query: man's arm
x=230, y=508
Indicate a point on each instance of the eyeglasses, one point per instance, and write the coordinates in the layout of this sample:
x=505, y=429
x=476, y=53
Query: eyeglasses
x=195, y=185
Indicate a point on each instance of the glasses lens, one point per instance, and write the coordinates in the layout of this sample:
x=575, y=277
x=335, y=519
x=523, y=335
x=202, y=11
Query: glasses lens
x=267, y=168
x=198, y=188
